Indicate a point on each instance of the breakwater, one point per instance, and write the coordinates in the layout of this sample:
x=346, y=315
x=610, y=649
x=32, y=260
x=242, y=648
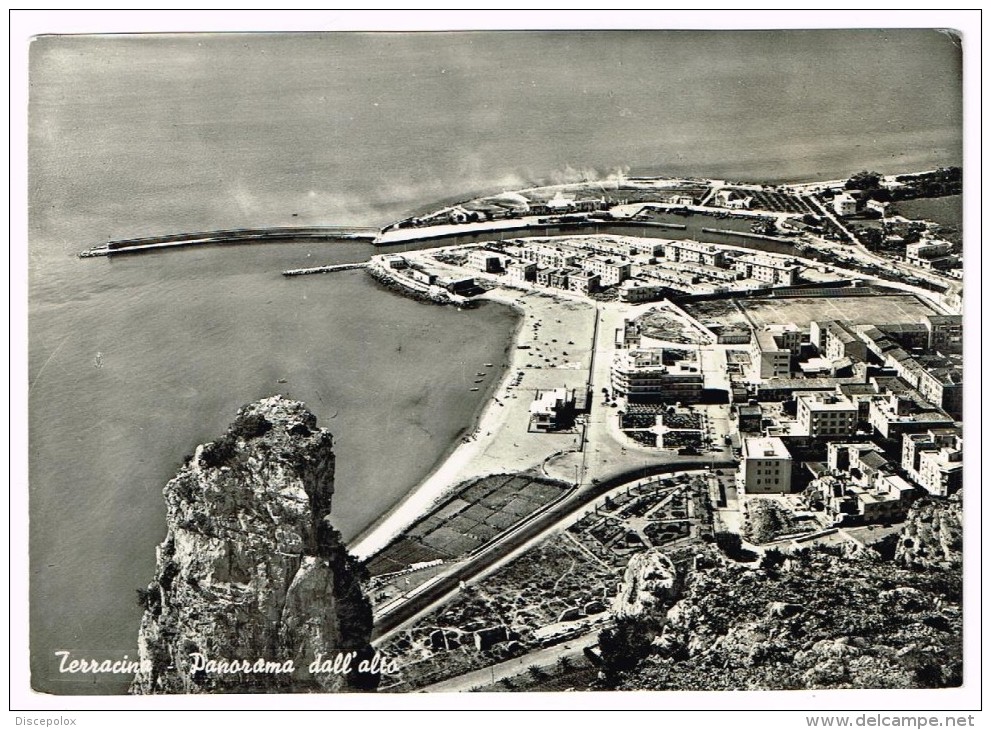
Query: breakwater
x=232, y=236
x=324, y=269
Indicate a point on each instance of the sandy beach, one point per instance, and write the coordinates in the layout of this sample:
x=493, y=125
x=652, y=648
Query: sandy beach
x=500, y=441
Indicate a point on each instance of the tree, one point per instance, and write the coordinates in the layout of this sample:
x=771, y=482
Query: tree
x=864, y=181
x=871, y=237
x=624, y=646
x=772, y=560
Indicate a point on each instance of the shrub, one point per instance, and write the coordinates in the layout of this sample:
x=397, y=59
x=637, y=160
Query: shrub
x=250, y=425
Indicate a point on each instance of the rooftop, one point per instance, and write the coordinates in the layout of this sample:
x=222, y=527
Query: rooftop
x=765, y=448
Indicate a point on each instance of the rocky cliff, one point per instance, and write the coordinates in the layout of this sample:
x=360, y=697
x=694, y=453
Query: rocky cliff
x=818, y=618
x=251, y=568
x=933, y=534
x=649, y=581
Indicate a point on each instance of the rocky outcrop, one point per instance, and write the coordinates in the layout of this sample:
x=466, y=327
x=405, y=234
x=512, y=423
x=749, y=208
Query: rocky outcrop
x=252, y=582
x=649, y=582
x=933, y=534
x=821, y=620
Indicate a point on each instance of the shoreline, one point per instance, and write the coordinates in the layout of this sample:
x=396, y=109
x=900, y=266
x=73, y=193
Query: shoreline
x=442, y=476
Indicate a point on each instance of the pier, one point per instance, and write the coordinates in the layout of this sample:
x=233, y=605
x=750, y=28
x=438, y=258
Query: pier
x=325, y=269
x=233, y=236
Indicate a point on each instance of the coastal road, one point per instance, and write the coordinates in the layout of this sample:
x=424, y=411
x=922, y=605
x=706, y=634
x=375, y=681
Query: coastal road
x=436, y=593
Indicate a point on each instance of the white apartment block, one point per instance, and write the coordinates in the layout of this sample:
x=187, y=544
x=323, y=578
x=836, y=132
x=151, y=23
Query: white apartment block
x=766, y=466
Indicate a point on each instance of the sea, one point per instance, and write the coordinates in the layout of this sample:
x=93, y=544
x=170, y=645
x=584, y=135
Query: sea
x=134, y=360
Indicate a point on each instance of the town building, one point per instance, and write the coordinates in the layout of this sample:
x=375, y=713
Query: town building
x=462, y=287
x=943, y=387
x=649, y=376
x=550, y=255
x=395, y=262
x=647, y=246
x=552, y=409
x=769, y=358
x=945, y=332
x=878, y=206
x=423, y=277
x=847, y=502
x=934, y=460
x=693, y=251
x=929, y=254
x=638, y=290
x=826, y=415
x=769, y=269
x=583, y=283
x=559, y=278
x=521, y=272
x=733, y=199
x=766, y=466
x=844, y=205
x=611, y=271
x=781, y=389
x=628, y=336
x=544, y=276
x=680, y=280
x=749, y=418
x=891, y=415
x=486, y=261
x=838, y=341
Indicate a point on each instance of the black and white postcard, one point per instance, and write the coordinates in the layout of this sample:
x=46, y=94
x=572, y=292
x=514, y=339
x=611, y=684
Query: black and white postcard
x=366, y=360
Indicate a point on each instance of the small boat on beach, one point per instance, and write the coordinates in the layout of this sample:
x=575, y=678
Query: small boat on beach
x=473, y=389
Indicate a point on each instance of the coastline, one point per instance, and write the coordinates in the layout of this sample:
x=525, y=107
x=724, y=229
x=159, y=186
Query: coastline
x=459, y=454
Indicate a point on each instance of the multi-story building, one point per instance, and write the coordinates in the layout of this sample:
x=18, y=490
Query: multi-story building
x=765, y=467
x=521, y=272
x=750, y=417
x=892, y=415
x=943, y=387
x=559, y=278
x=549, y=255
x=646, y=376
x=945, y=332
x=878, y=206
x=768, y=357
x=934, y=460
x=647, y=246
x=486, y=261
x=923, y=253
x=611, y=271
x=836, y=340
x=637, y=290
x=583, y=283
x=628, y=336
x=768, y=269
x=826, y=415
x=701, y=253
x=941, y=472
x=845, y=458
x=684, y=281
x=844, y=205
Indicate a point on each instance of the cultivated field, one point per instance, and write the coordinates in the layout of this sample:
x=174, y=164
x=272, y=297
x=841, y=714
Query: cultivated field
x=474, y=515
